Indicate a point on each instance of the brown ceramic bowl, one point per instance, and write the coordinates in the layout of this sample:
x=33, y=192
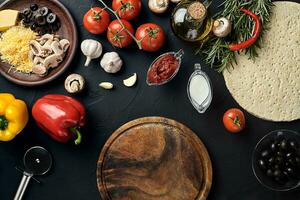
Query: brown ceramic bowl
x=67, y=31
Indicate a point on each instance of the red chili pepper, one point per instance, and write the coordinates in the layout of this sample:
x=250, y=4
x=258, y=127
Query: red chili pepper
x=59, y=116
x=255, y=35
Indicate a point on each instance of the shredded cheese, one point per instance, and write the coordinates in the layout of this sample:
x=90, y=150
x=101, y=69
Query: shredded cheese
x=14, y=48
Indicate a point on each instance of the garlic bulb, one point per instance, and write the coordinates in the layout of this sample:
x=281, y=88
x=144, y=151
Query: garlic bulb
x=111, y=62
x=92, y=49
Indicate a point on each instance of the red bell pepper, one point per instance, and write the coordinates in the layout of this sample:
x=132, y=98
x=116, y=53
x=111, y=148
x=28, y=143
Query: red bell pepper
x=60, y=116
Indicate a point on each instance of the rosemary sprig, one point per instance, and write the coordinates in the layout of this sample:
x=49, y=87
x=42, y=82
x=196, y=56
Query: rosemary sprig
x=215, y=50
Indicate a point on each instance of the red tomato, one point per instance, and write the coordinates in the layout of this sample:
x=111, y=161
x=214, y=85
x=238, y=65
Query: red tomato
x=96, y=20
x=234, y=120
x=151, y=35
x=118, y=36
x=127, y=9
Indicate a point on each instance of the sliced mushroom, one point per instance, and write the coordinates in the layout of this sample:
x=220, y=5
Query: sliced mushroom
x=56, y=48
x=158, y=6
x=42, y=40
x=65, y=44
x=53, y=61
x=47, y=46
x=38, y=60
x=31, y=56
x=39, y=70
x=35, y=47
x=74, y=83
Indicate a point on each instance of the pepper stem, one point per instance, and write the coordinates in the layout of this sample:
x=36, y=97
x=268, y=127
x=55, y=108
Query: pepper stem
x=3, y=123
x=78, y=134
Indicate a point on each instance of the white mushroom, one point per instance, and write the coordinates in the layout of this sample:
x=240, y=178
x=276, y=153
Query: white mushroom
x=39, y=50
x=53, y=61
x=31, y=56
x=39, y=70
x=74, y=83
x=222, y=27
x=38, y=60
x=65, y=44
x=158, y=6
x=56, y=48
x=42, y=40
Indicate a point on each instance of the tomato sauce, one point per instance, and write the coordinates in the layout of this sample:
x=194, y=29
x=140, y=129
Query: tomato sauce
x=163, y=69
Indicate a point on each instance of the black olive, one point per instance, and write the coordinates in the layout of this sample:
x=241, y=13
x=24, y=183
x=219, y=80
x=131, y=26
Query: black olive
x=279, y=153
x=297, y=161
x=265, y=154
x=269, y=172
x=34, y=7
x=40, y=20
x=290, y=171
x=262, y=164
x=277, y=173
x=289, y=155
x=26, y=12
x=283, y=144
x=271, y=161
x=276, y=166
x=293, y=144
x=51, y=18
x=273, y=146
x=292, y=161
x=279, y=160
x=33, y=27
x=44, y=11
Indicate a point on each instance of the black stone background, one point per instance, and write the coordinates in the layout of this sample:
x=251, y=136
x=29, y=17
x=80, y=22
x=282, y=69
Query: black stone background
x=73, y=175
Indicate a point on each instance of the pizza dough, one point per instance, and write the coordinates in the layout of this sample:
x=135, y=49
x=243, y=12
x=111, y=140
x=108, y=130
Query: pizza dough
x=269, y=87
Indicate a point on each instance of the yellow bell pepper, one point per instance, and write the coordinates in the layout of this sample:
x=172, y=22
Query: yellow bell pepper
x=13, y=116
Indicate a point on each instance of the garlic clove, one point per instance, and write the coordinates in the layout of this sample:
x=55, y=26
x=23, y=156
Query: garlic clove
x=106, y=85
x=129, y=82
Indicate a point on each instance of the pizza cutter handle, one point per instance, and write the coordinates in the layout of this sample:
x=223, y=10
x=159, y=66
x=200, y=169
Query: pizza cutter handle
x=23, y=185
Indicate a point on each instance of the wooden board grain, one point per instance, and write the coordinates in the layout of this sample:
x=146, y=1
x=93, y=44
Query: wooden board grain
x=67, y=31
x=154, y=158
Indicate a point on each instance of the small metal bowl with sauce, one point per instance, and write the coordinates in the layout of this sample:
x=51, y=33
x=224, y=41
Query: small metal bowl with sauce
x=164, y=68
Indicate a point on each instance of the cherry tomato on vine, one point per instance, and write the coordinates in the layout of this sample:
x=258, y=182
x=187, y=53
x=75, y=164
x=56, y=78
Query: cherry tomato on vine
x=127, y=9
x=152, y=36
x=117, y=35
x=96, y=20
x=234, y=120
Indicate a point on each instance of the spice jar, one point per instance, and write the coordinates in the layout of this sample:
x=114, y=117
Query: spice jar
x=191, y=22
x=199, y=89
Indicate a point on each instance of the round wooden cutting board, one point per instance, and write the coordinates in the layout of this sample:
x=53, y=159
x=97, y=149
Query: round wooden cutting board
x=154, y=158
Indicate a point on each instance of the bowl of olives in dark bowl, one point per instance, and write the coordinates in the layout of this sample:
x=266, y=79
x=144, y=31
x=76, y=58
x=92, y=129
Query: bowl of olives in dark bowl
x=276, y=160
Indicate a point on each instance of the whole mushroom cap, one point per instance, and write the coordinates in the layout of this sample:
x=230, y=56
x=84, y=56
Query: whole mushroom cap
x=222, y=27
x=74, y=83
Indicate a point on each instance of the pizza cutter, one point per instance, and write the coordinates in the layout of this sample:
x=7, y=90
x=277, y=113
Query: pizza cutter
x=37, y=161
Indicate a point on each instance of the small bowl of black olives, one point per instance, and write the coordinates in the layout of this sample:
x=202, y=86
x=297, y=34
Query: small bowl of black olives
x=276, y=160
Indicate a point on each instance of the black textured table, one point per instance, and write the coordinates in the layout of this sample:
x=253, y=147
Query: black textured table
x=74, y=172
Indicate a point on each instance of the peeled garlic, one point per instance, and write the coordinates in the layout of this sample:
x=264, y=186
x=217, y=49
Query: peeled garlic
x=129, y=82
x=106, y=85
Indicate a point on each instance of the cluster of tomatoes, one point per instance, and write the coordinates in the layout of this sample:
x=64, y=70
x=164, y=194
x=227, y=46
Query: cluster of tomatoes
x=150, y=36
